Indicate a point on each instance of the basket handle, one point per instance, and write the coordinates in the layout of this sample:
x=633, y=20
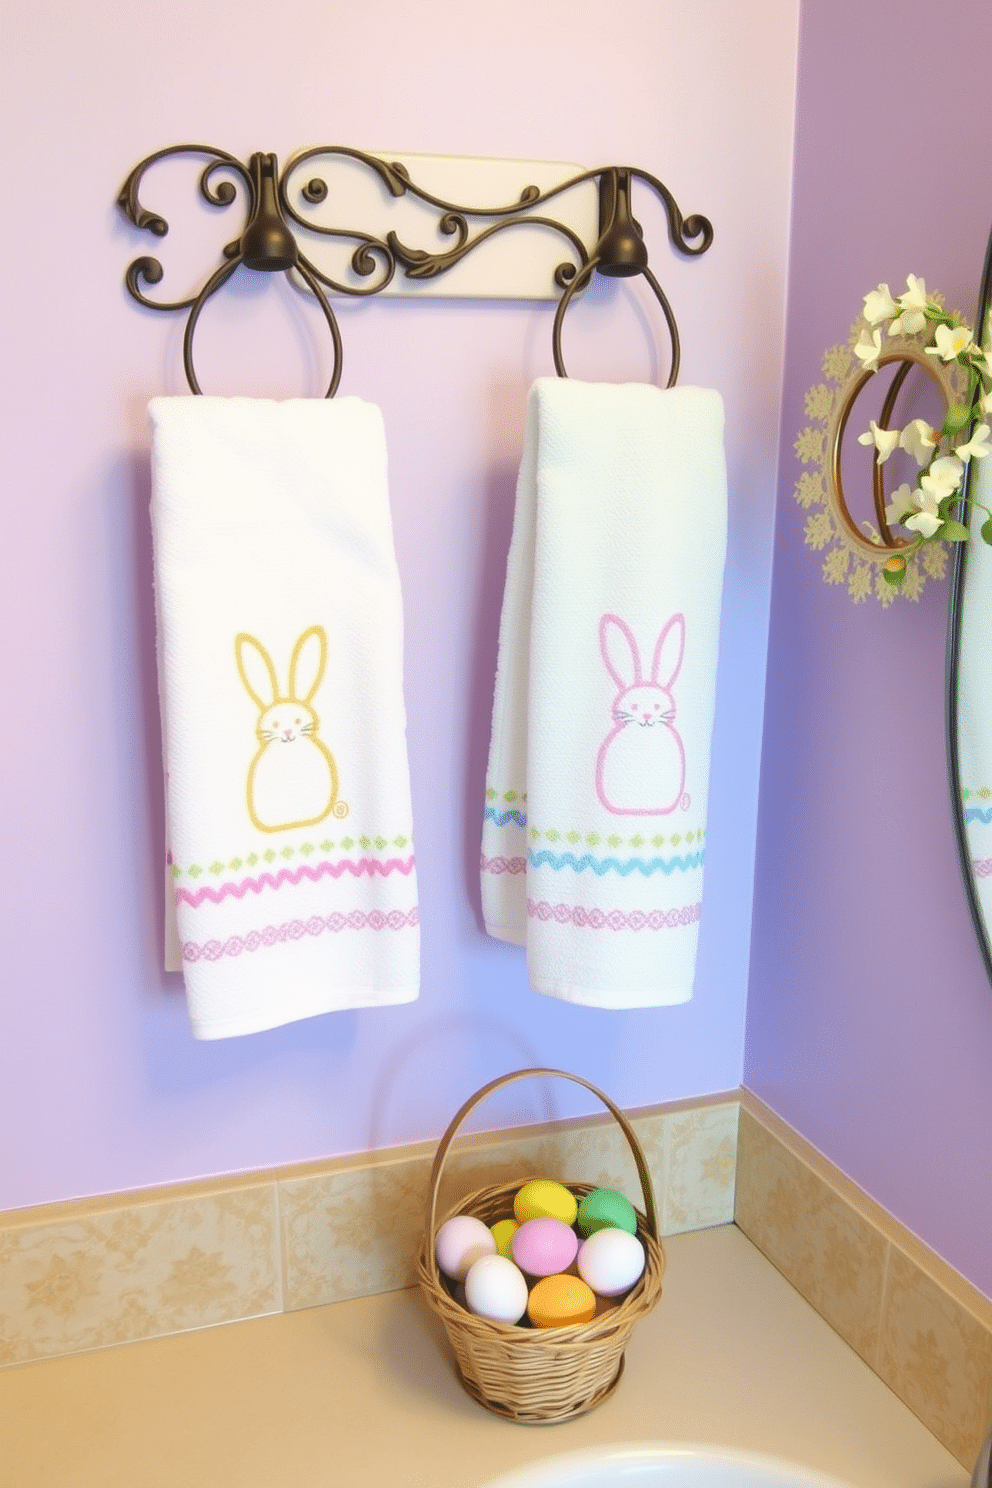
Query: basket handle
x=480, y=1095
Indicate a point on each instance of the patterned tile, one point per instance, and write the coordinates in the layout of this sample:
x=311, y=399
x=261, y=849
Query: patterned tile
x=832, y=1255
x=937, y=1357
x=137, y=1272
x=702, y=1178
x=87, y=1275
x=351, y=1233
x=356, y=1232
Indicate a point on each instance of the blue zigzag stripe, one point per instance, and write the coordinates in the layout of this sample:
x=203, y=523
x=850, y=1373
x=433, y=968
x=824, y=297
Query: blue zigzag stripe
x=975, y=814
x=599, y=866
x=502, y=818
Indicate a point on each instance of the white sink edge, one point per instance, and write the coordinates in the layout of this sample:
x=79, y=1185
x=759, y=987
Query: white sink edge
x=647, y=1464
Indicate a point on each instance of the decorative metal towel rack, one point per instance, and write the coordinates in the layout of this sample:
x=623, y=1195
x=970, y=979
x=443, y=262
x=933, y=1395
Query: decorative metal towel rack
x=268, y=242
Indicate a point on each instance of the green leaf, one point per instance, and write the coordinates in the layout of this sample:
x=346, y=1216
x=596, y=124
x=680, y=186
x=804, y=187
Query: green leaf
x=958, y=417
x=953, y=532
x=986, y=530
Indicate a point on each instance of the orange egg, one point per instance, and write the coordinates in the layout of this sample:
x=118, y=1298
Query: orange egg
x=556, y=1301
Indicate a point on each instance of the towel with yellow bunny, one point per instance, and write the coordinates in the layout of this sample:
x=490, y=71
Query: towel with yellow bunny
x=291, y=880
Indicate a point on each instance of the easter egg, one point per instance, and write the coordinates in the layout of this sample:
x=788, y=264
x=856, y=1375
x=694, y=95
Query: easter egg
x=544, y=1198
x=611, y=1261
x=556, y=1301
x=543, y=1246
x=459, y=1242
x=495, y=1288
x=503, y=1232
x=605, y=1208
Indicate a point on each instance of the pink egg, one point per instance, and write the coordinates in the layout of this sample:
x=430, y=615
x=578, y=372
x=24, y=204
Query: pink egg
x=543, y=1247
x=460, y=1242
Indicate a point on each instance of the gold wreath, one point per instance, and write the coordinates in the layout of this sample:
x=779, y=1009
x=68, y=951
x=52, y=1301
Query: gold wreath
x=854, y=556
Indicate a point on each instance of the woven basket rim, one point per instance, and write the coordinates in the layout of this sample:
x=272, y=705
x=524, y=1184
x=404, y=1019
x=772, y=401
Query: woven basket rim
x=637, y=1303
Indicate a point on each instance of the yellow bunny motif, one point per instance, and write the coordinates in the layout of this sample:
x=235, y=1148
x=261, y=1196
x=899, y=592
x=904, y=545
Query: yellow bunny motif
x=293, y=777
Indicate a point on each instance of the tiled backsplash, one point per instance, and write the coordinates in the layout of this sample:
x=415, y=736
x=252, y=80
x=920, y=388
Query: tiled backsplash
x=917, y=1323
x=91, y=1274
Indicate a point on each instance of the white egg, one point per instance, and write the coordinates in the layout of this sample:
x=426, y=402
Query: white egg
x=460, y=1242
x=495, y=1288
x=610, y=1261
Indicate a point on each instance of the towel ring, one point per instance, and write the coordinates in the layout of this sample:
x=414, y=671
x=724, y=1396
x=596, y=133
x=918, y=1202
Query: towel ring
x=621, y=253
x=266, y=245
x=579, y=281
x=269, y=241
x=220, y=278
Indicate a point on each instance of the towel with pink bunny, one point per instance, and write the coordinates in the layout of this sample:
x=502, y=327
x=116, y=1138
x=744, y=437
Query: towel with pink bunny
x=291, y=881
x=594, y=830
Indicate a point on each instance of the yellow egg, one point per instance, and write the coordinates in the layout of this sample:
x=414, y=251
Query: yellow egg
x=503, y=1232
x=556, y=1301
x=543, y=1198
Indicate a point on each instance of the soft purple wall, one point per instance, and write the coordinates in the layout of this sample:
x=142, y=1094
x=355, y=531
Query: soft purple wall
x=101, y=1085
x=869, y=1023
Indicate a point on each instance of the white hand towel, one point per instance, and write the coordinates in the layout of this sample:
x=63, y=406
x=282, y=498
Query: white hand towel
x=595, y=820
x=292, y=871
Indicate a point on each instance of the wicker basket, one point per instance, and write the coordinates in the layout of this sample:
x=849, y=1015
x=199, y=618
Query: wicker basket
x=538, y=1375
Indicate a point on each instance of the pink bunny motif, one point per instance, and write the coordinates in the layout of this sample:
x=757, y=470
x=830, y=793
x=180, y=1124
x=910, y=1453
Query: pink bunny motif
x=640, y=767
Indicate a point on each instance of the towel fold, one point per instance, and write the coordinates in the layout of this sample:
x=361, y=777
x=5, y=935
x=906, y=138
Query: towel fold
x=291, y=879
x=595, y=819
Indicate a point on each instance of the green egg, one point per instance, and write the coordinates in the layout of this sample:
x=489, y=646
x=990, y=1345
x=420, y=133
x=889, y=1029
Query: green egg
x=606, y=1209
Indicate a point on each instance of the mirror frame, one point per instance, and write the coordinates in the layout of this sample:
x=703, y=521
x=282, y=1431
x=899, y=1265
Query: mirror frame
x=959, y=567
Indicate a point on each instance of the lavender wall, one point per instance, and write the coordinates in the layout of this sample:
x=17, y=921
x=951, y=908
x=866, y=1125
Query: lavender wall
x=102, y=1087
x=869, y=1015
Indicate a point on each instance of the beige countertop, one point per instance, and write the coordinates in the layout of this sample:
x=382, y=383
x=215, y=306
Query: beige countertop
x=365, y=1393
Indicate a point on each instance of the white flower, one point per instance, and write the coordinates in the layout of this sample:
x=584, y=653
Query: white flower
x=915, y=297
x=944, y=476
x=918, y=439
x=908, y=323
x=879, y=305
x=913, y=303
x=903, y=501
x=987, y=403
x=925, y=523
x=918, y=510
x=926, y=516
x=884, y=440
x=950, y=342
x=869, y=349
x=978, y=445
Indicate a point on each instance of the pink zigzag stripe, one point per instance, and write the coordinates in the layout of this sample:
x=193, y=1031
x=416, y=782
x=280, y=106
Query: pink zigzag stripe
x=614, y=919
x=982, y=867
x=503, y=865
x=371, y=866
x=257, y=940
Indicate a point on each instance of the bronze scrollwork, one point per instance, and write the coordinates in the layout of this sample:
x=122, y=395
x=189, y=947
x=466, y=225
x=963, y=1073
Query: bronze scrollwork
x=269, y=241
